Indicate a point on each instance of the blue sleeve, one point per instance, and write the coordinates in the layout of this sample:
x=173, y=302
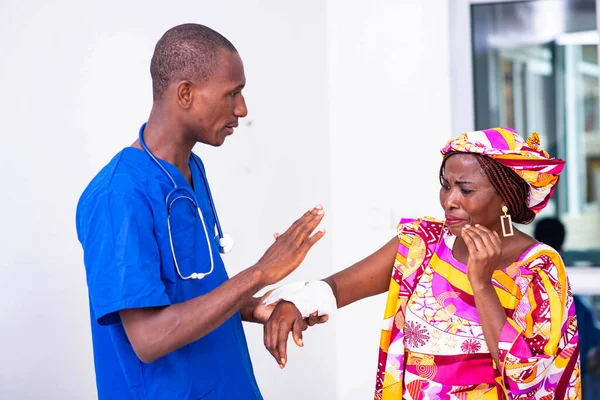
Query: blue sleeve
x=121, y=255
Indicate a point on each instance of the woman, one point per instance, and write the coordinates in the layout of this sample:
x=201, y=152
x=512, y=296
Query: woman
x=476, y=308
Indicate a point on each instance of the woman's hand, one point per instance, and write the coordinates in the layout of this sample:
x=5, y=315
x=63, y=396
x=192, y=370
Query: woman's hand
x=261, y=312
x=485, y=250
x=284, y=319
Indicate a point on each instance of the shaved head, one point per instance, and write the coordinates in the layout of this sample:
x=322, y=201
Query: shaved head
x=186, y=52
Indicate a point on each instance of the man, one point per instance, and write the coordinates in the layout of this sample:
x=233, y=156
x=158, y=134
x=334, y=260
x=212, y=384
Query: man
x=166, y=319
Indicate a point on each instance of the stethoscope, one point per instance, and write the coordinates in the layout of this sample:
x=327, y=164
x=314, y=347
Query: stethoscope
x=224, y=241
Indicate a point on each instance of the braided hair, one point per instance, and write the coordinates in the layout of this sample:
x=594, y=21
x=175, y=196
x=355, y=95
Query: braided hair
x=513, y=190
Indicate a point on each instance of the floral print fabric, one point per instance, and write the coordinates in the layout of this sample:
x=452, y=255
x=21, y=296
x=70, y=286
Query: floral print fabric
x=432, y=345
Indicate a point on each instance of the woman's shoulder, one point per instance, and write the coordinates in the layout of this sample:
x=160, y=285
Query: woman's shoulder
x=420, y=221
x=427, y=227
x=539, y=256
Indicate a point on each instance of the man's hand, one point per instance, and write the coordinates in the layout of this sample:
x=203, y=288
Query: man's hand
x=284, y=319
x=291, y=247
x=157, y=331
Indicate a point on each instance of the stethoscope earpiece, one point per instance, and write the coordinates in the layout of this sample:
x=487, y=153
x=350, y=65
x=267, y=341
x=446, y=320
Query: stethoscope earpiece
x=225, y=243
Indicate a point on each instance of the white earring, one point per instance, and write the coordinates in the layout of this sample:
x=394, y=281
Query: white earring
x=506, y=220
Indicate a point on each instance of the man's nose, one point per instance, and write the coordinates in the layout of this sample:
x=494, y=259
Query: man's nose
x=240, y=109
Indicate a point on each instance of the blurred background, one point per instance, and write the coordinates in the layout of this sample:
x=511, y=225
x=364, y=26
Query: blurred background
x=349, y=104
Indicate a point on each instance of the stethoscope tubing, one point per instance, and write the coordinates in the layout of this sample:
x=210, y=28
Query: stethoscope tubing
x=189, y=195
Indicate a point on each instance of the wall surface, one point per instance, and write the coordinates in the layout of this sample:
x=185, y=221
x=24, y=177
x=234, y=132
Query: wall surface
x=389, y=105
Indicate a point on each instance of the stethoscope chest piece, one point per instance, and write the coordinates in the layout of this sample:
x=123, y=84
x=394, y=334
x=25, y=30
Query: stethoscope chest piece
x=225, y=243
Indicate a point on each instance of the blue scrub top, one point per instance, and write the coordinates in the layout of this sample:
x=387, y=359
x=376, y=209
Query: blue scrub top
x=122, y=226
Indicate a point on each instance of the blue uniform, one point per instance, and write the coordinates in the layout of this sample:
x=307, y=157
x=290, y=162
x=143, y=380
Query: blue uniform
x=122, y=226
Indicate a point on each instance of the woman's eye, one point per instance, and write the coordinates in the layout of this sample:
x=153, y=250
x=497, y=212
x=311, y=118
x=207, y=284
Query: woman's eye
x=466, y=191
x=445, y=187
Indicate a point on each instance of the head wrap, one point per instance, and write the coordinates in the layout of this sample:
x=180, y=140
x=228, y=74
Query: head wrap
x=526, y=158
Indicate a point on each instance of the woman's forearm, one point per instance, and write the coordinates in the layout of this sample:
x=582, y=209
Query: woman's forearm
x=368, y=277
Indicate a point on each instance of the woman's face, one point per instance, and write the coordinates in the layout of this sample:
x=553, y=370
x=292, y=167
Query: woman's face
x=467, y=195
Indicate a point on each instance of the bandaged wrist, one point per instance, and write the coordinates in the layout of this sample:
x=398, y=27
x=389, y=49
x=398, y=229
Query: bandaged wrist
x=308, y=297
x=284, y=291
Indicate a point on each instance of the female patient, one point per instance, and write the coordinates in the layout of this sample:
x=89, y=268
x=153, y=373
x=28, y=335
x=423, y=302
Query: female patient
x=476, y=308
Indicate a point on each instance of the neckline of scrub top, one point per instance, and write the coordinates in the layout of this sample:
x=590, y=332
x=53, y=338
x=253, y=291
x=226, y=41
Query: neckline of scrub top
x=139, y=155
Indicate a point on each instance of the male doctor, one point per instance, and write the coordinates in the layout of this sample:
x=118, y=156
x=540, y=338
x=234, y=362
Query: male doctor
x=166, y=318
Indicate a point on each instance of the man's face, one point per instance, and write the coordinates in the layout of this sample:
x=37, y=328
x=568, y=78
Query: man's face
x=218, y=102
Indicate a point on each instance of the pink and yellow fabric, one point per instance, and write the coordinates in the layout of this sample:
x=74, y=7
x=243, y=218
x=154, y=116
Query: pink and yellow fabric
x=432, y=344
x=526, y=158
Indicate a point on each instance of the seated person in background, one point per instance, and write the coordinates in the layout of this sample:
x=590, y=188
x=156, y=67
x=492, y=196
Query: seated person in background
x=476, y=308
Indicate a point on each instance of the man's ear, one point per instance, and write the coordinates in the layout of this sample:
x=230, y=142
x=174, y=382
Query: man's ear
x=185, y=94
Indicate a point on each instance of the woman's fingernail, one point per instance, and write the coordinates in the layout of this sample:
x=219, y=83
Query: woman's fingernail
x=477, y=225
x=467, y=226
x=319, y=212
x=318, y=207
x=300, y=342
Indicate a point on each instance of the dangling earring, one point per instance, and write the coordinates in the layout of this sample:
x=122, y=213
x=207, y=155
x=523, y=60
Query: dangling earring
x=506, y=219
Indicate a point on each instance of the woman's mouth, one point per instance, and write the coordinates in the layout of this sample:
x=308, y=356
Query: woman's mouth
x=451, y=221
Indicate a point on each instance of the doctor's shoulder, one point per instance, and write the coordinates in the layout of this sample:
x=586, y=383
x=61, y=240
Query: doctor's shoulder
x=117, y=174
x=122, y=179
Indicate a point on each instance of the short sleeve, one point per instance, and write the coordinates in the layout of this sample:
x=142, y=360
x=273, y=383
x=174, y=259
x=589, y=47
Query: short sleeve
x=415, y=236
x=412, y=256
x=406, y=229
x=538, y=346
x=121, y=255
x=417, y=240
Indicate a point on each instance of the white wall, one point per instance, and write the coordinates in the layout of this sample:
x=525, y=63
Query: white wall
x=389, y=105
x=340, y=97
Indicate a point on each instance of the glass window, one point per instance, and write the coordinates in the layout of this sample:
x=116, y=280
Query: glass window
x=535, y=66
x=535, y=69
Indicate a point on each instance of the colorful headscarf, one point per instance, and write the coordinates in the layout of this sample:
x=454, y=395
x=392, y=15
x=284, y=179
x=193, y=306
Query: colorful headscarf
x=526, y=158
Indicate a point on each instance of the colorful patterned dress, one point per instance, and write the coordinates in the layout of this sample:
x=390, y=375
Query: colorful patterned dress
x=432, y=345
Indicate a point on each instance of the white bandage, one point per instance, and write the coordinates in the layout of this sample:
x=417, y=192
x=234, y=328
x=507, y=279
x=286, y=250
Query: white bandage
x=284, y=291
x=307, y=297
